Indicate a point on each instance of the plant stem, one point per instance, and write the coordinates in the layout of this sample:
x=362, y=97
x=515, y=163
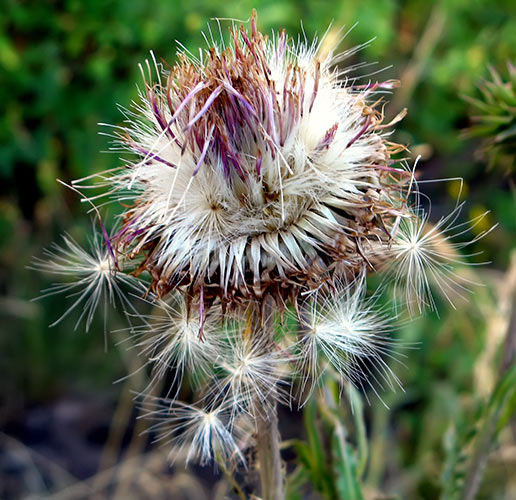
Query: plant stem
x=420, y=58
x=268, y=445
x=231, y=480
x=267, y=433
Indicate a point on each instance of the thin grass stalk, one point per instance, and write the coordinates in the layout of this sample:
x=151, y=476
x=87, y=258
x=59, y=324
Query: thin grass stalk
x=481, y=454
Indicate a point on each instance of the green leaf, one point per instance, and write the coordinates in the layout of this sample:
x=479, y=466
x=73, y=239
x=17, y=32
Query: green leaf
x=467, y=452
x=510, y=133
x=295, y=482
x=360, y=428
x=317, y=462
x=346, y=467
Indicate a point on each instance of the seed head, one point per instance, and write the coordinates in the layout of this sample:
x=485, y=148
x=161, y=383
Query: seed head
x=252, y=375
x=425, y=257
x=260, y=172
x=345, y=331
x=178, y=339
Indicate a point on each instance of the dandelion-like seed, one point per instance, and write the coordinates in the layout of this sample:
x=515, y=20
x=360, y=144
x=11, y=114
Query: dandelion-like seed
x=93, y=278
x=200, y=432
x=264, y=183
x=343, y=330
x=177, y=338
x=251, y=375
x=425, y=256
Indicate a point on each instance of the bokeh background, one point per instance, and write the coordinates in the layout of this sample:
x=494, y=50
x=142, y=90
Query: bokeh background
x=66, y=429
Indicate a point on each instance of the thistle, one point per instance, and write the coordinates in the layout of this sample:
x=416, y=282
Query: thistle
x=494, y=119
x=264, y=193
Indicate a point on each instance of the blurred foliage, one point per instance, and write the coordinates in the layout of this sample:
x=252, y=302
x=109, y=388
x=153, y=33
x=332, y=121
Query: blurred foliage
x=66, y=65
x=467, y=445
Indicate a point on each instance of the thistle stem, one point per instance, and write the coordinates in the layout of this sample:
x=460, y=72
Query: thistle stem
x=268, y=445
x=267, y=433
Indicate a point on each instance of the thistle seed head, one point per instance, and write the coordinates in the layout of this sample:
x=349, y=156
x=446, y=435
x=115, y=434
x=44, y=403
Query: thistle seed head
x=264, y=181
x=344, y=331
x=177, y=337
x=261, y=172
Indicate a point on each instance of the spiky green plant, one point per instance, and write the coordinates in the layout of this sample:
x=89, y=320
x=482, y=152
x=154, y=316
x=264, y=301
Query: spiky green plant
x=494, y=119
